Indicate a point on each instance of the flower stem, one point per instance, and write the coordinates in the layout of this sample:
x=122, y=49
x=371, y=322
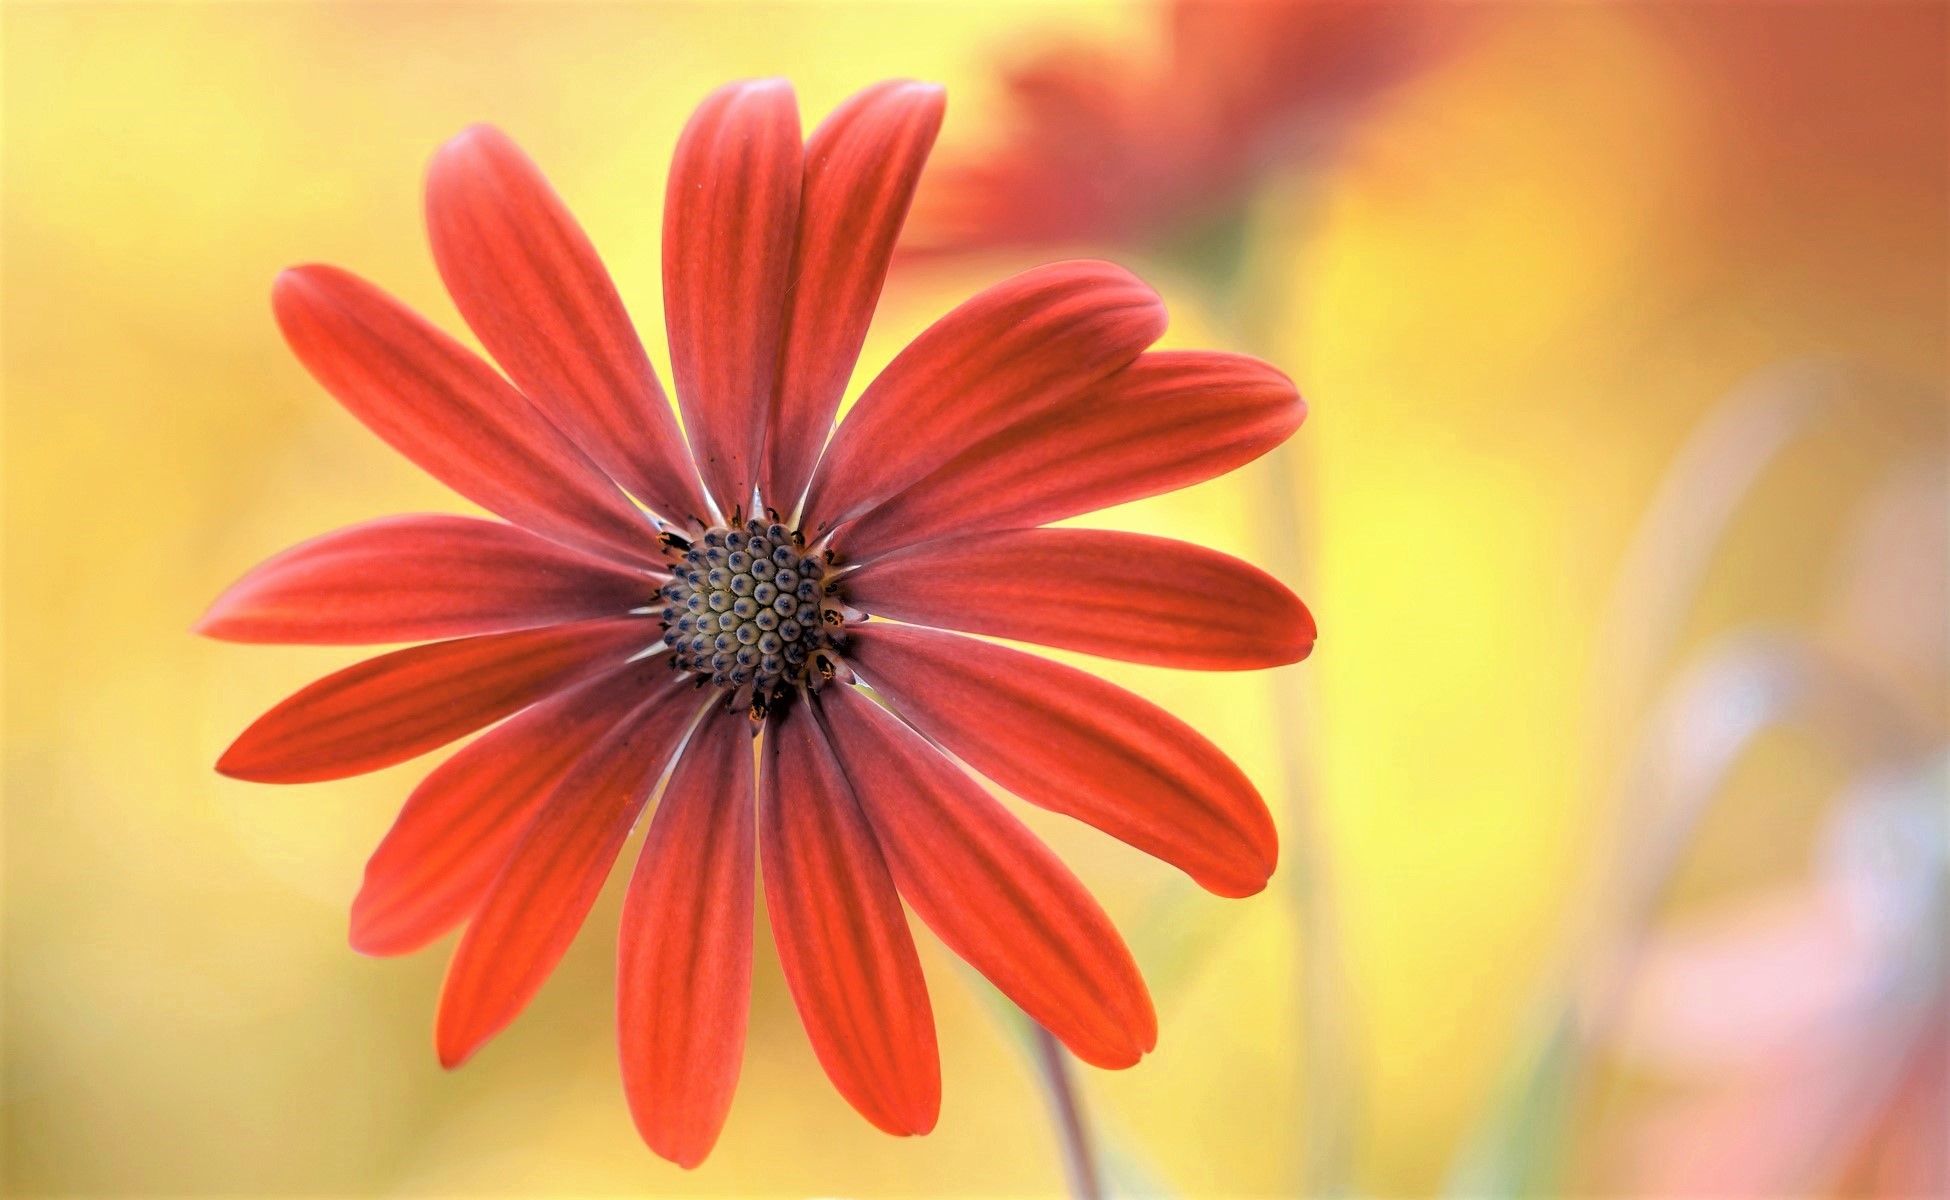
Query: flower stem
x=1246, y=298
x=1079, y=1160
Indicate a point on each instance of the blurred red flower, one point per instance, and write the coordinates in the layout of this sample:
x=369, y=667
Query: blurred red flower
x=1100, y=148
x=652, y=588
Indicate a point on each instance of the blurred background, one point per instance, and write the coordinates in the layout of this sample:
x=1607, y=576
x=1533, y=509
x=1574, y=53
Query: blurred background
x=1613, y=799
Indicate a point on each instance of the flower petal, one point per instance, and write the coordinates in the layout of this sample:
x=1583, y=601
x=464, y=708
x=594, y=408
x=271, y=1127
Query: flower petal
x=1119, y=595
x=1069, y=742
x=397, y=706
x=1169, y=420
x=989, y=889
x=1021, y=347
x=684, y=964
x=731, y=209
x=460, y=825
x=420, y=578
x=842, y=937
x=861, y=167
x=437, y=403
x=535, y=292
x=538, y=901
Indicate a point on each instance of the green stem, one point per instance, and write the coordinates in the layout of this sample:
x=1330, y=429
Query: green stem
x=1079, y=1159
x=1327, y=1076
x=1328, y=1080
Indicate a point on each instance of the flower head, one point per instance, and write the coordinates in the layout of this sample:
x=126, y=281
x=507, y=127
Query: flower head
x=656, y=600
x=1103, y=148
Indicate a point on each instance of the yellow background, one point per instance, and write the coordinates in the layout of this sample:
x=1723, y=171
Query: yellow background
x=1534, y=271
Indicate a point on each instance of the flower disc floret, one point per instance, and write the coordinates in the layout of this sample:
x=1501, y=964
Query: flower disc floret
x=748, y=608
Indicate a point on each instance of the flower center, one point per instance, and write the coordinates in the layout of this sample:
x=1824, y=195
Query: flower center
x=747, y=608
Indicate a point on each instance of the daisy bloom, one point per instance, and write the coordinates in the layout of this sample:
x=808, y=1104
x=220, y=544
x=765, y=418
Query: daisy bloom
x=682, y=609
x=1106, y=147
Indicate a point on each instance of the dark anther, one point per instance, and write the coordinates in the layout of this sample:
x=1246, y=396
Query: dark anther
x=824, y=665
x=833, y=588
x=799, y=539
x=832, y=618
x=771, y=514
x=671, y=541
x=697, y=685
x=760, y=706
x=737, y=516
x=831, y=558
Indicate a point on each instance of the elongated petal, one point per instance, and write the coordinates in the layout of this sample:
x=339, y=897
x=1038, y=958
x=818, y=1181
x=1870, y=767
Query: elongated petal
x=684, y=959
x=731, y=209
x=861, y=167
x=537, y=903
x=397, y=706
x=1169, y=420
x=460, y=825
x=1121, y=595
x=842, y=937
x=1021, y=347
x=994, y=893
x=437, y=403
x=531, y=286
x=419, y=578
x=1069, y=742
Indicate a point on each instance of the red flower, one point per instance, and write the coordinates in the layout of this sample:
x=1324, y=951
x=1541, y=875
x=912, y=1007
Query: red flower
x=623, y=647
x=1102, y=148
